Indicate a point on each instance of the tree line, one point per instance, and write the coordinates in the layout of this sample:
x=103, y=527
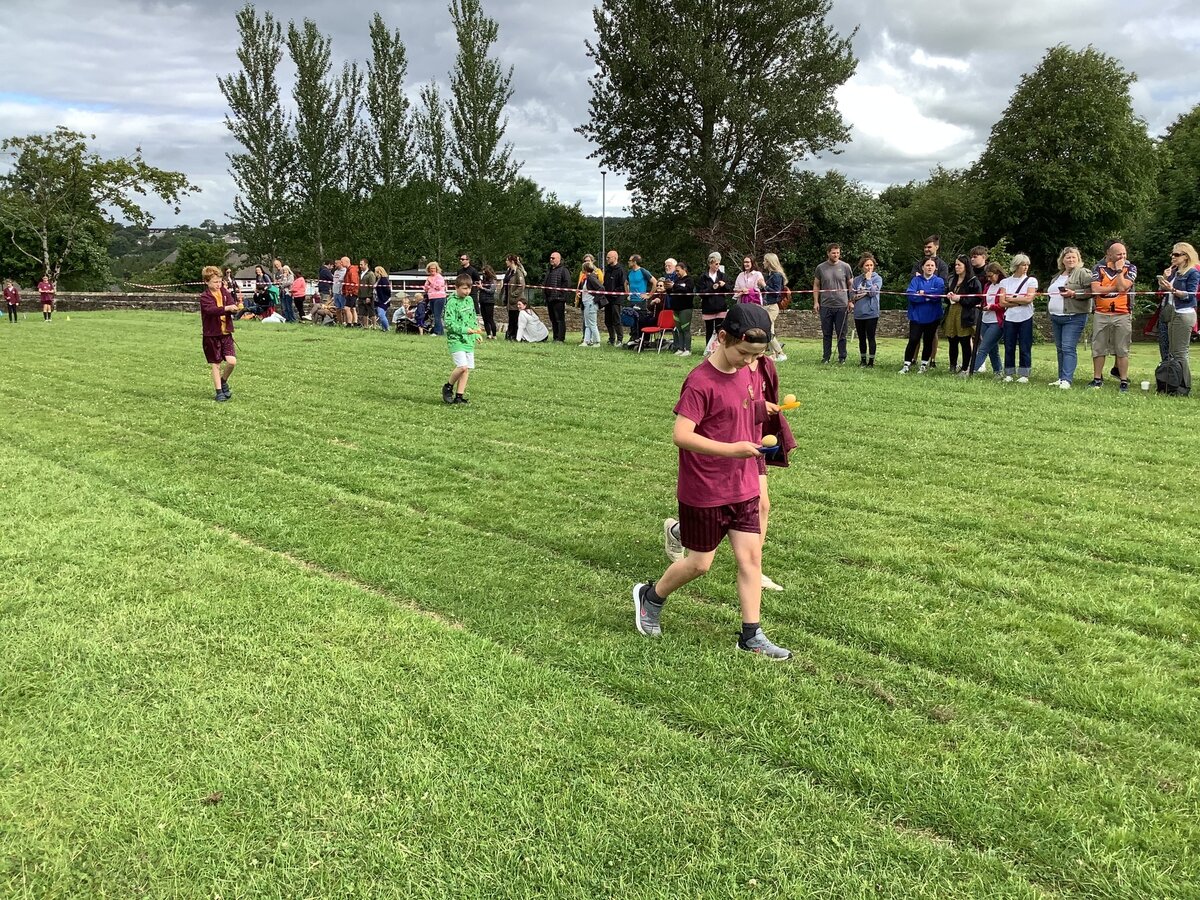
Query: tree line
x=710, y=129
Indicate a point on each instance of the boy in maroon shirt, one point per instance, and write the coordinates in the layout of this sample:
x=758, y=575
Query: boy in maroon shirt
x=718, y=488
x=217, y=309
x=12, y=299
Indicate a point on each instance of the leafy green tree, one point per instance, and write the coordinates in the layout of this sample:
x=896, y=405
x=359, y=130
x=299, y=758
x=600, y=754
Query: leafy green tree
x=1068, y=162
x=190, y=259
x=699, y=101
x=948, y=204
x=324, y=135
x=389, y=160
x=434, y=166
x=263, y=172
x=1175, y=212
x=836, y=209
x=58, y=194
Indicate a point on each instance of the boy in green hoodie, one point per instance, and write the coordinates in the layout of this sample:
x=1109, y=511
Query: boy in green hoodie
x=461, y=333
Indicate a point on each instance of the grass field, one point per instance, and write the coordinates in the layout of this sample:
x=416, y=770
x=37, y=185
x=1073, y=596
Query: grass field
x=334, y=638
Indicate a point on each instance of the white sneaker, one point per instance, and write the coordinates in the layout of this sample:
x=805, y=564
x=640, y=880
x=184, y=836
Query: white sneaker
x=782, y=357
x=979, y=371
x=924, y=368
x=1008, y=379
x=685, y=352
x=769, y=585
x=671, y=544
x=1064, y=385
x=1057, y=383
x=904, y=371
x=1023, y=380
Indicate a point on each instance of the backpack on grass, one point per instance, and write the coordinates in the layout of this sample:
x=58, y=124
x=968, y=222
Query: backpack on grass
x=1170, y=376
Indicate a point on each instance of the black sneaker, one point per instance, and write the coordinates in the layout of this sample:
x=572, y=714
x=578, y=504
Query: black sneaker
x=225, y=389
x=933, y=364
x=220, y=397
x=1124, y=388
x=447, y=393
x=459, y=398
x=1096, y=382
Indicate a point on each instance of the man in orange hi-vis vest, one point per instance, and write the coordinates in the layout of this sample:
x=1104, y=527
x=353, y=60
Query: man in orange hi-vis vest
x=1112, y=328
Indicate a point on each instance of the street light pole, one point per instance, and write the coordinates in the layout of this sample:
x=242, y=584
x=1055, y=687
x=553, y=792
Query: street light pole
x=603, y=213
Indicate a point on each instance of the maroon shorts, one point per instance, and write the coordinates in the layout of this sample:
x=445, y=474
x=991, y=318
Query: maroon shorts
x=762, y=465
x=702, y=528
x=219, y=347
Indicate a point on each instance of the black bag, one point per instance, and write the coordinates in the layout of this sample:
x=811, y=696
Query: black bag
x=1170, y=376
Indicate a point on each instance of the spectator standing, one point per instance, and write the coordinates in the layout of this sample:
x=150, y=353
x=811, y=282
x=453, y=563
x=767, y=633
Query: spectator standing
x=640, y=283
x=46, y=294
x=590, y=285
x=12, y=299
x=283, y=280
x=465, y=268
x=557, y=290
x=350, y=286
x=325, y=281
x=1112, y=327
x=230, y=284
x=367, y=280
x=298, y=289
x=979, y=263
x=865, y=307
x=435, y=293
x=669, y=269
x=487, y=301
x=713, y=287
x=930, y=250
x=831, y=300
x=616, y=287
x=682, y=296
x=749, y=284
x=958, y=324
x=339, y=286
x=1180, y=284
x=1019, y=290
x=1070, y=302
x=383, y=296
x=776, y=281
x=924, y=313
x=513, y=293
x=991, y=322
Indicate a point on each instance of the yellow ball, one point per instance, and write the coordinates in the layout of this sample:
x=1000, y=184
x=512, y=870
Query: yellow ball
x=769, y=440
x=790, y=398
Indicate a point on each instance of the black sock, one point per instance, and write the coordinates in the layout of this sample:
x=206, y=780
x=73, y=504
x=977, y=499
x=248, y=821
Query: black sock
x=459, y=396
x=650, y=598
x=749, y=629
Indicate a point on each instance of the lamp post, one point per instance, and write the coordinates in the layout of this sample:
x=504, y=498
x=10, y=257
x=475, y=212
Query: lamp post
x=603, y=213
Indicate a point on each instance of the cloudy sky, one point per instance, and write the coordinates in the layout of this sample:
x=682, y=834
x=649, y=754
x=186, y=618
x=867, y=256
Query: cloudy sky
x=931, y=80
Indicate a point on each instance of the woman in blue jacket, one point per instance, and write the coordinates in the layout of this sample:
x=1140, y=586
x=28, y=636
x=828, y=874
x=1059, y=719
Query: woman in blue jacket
x=865, y=306
x=925, y=293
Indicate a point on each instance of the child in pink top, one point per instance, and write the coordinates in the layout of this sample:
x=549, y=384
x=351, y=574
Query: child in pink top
x=717, y=432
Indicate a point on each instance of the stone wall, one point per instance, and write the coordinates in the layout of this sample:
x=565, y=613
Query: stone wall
x=792, y=323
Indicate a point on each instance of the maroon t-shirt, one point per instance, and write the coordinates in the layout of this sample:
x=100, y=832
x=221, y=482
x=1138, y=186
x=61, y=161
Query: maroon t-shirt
x=722, y=406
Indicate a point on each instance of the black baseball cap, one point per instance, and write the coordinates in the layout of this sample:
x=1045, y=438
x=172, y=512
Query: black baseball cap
x=745, y=317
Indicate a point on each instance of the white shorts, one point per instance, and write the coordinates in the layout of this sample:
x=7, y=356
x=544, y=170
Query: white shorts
x=463, y=358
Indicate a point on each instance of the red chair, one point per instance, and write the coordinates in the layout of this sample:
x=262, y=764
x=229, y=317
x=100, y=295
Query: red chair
x=666, y=323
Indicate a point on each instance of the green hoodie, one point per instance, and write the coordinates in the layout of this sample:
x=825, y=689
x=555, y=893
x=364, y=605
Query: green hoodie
x=459, y=318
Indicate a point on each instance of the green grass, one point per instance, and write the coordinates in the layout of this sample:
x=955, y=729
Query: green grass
x=392, y=639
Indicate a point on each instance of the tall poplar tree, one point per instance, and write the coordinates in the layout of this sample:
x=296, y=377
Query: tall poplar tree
x=482, y=165
x=262, y=172
x=325, y=133
x=434, y=164
x=698, y=102
x=388, y=162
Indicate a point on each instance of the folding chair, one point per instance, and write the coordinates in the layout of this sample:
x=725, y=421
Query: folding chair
x=666, y=323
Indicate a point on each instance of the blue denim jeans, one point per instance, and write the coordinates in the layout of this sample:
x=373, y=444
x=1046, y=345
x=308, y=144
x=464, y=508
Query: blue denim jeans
x=383, y=317
x=1067, y=331
x=989, y=345
x=439, y=310
x=591, y=334
x=289, y=310
x=1018, y=335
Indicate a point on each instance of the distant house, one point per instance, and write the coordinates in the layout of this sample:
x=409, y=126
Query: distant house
x=408, y=280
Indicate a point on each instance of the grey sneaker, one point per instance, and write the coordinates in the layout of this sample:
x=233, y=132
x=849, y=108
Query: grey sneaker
x=672, y=544
x=645, y=616
x=762, y=645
